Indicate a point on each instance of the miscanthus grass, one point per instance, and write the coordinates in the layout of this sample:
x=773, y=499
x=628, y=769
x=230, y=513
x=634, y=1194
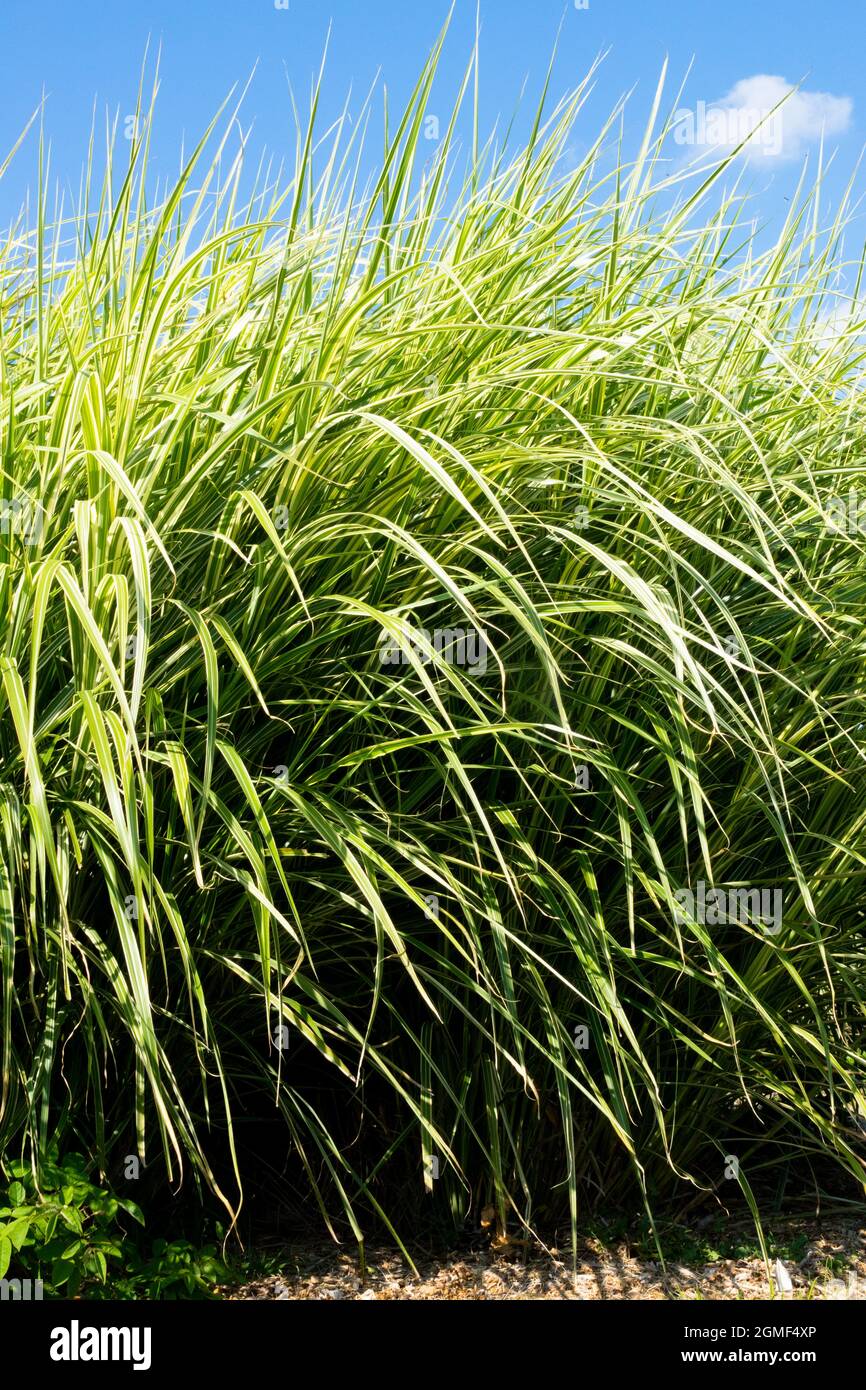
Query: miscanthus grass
x=432, y=699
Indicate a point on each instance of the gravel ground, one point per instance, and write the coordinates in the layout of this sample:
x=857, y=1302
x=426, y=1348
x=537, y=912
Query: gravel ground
x=834, y=1266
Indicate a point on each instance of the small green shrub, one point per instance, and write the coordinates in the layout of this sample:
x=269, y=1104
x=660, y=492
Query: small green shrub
x=68, y=1233
x=64, y=1232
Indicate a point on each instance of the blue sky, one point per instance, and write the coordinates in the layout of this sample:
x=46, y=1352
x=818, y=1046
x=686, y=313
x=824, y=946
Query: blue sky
x=90, y=51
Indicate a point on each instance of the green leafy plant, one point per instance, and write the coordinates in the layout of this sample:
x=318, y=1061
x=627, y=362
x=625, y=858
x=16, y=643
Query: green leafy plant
x=173, y=1269
x=266, y=849
x=68, y=1232
x=65, y=1231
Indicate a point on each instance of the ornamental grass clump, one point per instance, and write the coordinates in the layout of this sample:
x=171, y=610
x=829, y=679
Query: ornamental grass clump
x=433, y=669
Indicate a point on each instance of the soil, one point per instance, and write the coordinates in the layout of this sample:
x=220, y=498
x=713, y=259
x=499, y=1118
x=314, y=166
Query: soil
x=833, y=1266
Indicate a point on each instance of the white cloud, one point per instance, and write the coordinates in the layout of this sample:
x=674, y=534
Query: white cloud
x=744, y=114
x=846, y=316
